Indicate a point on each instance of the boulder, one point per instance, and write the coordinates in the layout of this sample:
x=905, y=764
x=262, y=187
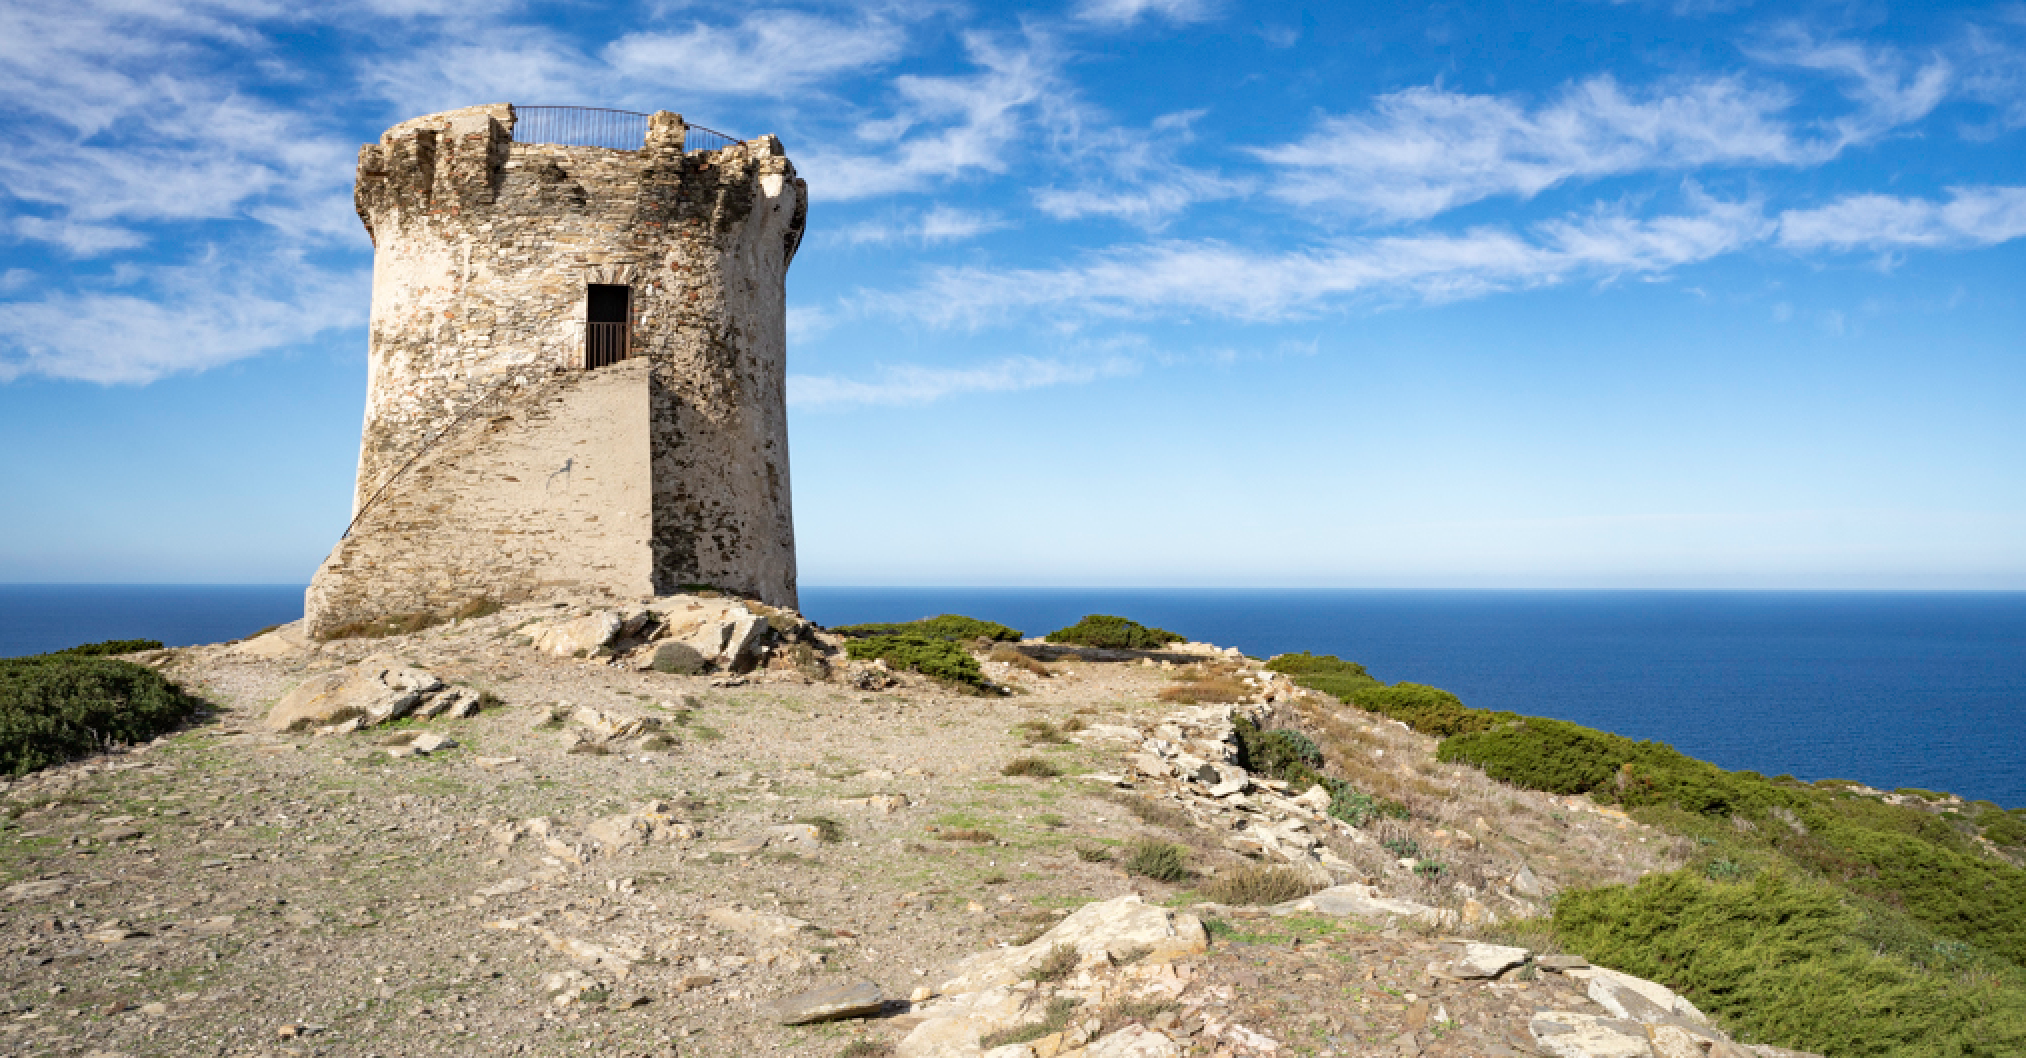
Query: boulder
x=578, y=637
x=1486, y=960
x=858, y=999
x=956, y=1024
x=742, y=643
x=1567, y=1035
x=680, y=659
x=1098, y=932
x=1626, y=996
x=1134, y=1041
x=374, y=691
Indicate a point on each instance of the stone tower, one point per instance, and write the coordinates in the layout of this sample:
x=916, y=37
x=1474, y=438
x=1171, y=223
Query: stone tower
x=576, y=378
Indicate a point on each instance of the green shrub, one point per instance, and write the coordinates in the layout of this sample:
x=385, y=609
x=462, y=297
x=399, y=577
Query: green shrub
x=948, y=626
x=1359, y=808
x=1116, y=633
x=940, y=659
x=110, y=646
x=1784, y=960
x=1293, y=757
x=59, y=707
x=1160, y=860
x=2004, y=828
x=1429, y=710
x=1901, y=856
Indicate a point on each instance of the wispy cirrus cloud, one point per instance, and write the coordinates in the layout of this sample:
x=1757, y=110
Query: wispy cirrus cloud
x=1133, y=175
x=918, y=384
x=766, y=53
x=1423, y=151
x=1126, y=12
x=1208, y=278
x=936, y=224
x=1889, y=90
x=178, y=319
x=1973, y=216
x=945, y=127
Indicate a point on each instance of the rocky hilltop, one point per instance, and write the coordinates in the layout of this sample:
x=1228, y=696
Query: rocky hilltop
x=698, y=827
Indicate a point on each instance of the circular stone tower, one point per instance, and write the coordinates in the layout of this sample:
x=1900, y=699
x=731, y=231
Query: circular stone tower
x=576, y=377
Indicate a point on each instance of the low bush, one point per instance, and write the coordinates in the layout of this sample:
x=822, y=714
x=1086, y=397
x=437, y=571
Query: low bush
x=1031, y=767
x=1429, y=710
x=828, y=831
x=1904, y=857
x=59, y=707
x=110, y=646
x=1114, y=633
x=949, y=626
x=1259, y=884
x=1783, y=959
x=940, y=659
x=1163, y=861
x=1294, y=758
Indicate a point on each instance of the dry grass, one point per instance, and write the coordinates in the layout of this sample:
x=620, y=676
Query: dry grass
x=1019, y=659
x=1259, y=884
x=1057, y=965
x=1031, y=767
x=1199, y=692
x=967, y=834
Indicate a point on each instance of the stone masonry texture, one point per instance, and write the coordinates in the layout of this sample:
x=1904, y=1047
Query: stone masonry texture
x=492, y=464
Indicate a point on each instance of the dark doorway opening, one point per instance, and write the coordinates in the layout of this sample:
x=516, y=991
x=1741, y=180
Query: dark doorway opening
x=608, y=310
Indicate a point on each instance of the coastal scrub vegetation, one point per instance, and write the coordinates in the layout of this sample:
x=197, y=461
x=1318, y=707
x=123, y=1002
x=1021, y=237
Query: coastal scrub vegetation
x=1812, y=915
x=1113, y=633
x=949, y=626
x=110, y=646
x=939, y=659
x=1429, y=710
x=1294, y=758
x=58, y=707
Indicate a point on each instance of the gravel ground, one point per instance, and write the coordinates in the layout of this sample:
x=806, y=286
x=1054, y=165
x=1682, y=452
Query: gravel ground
x=231, y=891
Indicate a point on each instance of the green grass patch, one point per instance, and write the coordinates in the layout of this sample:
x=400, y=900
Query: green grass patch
x=1115, y=633
x=59, y=707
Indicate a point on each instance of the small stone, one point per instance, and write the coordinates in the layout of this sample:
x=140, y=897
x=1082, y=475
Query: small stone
x=154, y=1009
x=854, y=1000
x=1558, y=963
x=693, y=982
x=119, y=833
x=431, y=742
x=494, y=762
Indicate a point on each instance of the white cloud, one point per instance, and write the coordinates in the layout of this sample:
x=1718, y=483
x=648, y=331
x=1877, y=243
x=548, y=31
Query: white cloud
x=184, y=319
x=1978, y=216
x=915, y=384
x=1202, y=277
x=767, y=53
x=1132, y=176
x=78, y=239
x=938, y=224
x=1123, y=12
x=1426, y=150
x=1889, y=91
x=972, y=121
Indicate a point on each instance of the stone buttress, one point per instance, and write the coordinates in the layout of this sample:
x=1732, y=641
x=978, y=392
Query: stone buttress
x=494, y=465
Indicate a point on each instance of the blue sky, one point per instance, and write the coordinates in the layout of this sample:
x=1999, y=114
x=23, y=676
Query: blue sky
x=1115, y=292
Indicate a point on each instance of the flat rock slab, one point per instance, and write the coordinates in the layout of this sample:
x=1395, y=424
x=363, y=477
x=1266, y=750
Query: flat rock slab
x=1362, y=900
x=857, y=999
x=1486, y=960
x=1567, y=1035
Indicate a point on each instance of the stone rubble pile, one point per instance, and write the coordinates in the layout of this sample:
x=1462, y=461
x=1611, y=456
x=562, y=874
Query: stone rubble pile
x=375, y=691
x=683, y=634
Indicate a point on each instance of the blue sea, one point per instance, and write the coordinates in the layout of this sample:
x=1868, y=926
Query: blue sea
x=1889, y=688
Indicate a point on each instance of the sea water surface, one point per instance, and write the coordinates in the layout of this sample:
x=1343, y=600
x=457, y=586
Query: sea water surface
x=1889, y=688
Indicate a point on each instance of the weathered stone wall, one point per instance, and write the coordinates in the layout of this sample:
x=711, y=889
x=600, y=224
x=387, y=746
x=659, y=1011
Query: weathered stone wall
x=484, y=249
x=552, y=495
